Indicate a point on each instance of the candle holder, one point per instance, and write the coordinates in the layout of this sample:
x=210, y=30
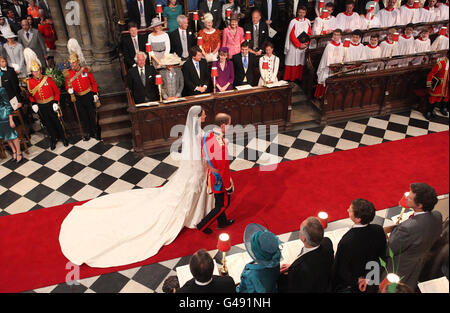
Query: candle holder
x=248, y=36
x=159, y=10
x=391, y=278
x=323, y=218
x=404, y=206
x=265, y=68
x=195, y=18
x=200, y=42
x=395, y=37
x=321, y=6
x=149, y=50
x=346, y=46
x=214, y=74
x=415, y=7
x=224, y=245
x=158, y=81
x=228, y=14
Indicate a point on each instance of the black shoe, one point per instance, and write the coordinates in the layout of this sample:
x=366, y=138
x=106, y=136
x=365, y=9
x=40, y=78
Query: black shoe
x=65, y=142
x=53, y=145
x=443, y=110
x=227, y=223
x=87, y=137
x=428, y=115
x=207, y=231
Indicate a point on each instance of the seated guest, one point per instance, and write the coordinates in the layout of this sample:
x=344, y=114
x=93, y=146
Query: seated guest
x=348, y=20
x=141, y=12
x=422, y=44
x=235, y=9
x=159, y=40
x=233, y=36
x=170, y=14
x=171, y=284
x=324, y=25
x=406, y=44
x=141, y=80
x=202, y=268
x=362, y=244
x=390, y=15
x=270, y=75
x=411, y=240
x=244, y=65
x=172, y=76
x=225, y=70
x=181, y=39
x=312, y=269
x=132, y=44
x=294, y=49
x=260, y=275
x=356, y=50
x=213, y=7
x=211, y=38
x=373, y=51
x=196, y=73
x=408, y=14
x=430, y=13
x=333, y=53
x=259, y=32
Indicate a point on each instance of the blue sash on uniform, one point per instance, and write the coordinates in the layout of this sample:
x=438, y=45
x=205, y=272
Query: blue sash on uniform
x=218, y=184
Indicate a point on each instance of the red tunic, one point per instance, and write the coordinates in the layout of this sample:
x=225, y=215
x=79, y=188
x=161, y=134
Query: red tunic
x=218, y=154
x=48, y=34
x=439, y=70
x=83, y=82
x=45, y=94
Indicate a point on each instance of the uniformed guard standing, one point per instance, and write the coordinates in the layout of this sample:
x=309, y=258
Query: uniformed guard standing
x=44, y=97
x=437, y=84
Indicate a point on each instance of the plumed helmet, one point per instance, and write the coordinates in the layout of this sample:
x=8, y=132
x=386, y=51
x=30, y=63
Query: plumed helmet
x=75, y=52
x=31, y=60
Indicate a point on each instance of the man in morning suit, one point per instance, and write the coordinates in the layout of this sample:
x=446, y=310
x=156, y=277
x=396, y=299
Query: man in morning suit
x=20, y=10
x=132, y=44
x=141, y=81
x=83, y=88
x=215, y=8
x=244, y=67
x=181, y=39
x=141, y=12
x=259, y=32
x=362, y=244
x=311, y=271
x=32, y=38
x=219, y=178
x=196, y=74
x=411, y=240
x=202, y=268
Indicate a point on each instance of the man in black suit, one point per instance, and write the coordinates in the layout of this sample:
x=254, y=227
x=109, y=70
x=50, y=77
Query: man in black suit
x=182, y=39
x=311, y=271
x=141, y=81
x=271, y=17
x=141, y=12
x=244, y=67
x=362, y=244
x=196, y=74
x=20, y=10
x=132, y=44
x=202, y=268
x=12, y=21
x=259, y=32
x=215, y=8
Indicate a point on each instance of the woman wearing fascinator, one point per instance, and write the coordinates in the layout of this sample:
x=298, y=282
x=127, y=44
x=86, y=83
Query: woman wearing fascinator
x=131, y=226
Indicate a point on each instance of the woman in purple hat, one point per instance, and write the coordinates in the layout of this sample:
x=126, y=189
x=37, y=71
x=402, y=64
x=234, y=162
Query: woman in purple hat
x=225, y=71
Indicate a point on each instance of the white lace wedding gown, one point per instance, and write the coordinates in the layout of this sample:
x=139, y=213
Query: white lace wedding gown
x=128, y=227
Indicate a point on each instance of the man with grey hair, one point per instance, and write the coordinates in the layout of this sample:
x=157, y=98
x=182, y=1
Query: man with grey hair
x=32, y=38
x=141, y=80
x=311, y=271
x=181, y=39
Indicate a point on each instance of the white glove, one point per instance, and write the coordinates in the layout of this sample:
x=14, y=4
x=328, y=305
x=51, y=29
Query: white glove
x=70, y=91
x=55, y=107
x=35, y=108
x=95, y=98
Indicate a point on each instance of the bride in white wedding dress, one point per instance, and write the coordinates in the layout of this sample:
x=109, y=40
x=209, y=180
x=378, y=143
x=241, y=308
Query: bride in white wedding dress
x=131, y=226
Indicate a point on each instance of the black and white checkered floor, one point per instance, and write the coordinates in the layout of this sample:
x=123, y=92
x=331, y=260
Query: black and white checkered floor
x=90, y=169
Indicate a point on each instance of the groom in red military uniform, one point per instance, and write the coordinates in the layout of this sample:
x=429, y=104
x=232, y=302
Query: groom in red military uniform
x=214, y=150
x=437, y=84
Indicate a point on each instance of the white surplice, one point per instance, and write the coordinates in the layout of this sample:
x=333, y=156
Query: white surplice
x=408, y=15
x=355, y=52
x=405, y=46
x=443, y=8
x=348, y=21
x=131, y=226
x=440, y=43
x=421, y=45
x=428, y=15
x=389, y=18
x=295, y=56
x=333, y=53
x=372, y=52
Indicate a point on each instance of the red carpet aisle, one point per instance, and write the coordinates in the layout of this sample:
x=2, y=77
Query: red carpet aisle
x=30, y=256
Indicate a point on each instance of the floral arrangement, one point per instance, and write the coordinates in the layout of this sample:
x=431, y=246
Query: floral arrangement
x=57, y=74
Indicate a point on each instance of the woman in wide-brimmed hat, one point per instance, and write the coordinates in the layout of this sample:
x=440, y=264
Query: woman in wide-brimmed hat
x=159, y=40
x=260, y=276
x=14, y=54
x=211, y=38
x=233, y=36
x=173, y=81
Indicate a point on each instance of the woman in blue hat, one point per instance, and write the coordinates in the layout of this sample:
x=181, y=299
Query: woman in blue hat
x=260, y=275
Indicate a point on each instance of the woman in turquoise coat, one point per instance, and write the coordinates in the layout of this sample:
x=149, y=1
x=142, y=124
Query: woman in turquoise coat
x=170, y=14
x=260, y=275
x=7, y=132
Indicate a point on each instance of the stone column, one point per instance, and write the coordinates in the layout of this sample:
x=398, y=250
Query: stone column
x=85, y=34
x=103, y=48
x=60, y=28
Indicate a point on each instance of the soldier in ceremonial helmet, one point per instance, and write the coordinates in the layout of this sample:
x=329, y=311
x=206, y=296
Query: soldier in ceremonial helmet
x=44, y=97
